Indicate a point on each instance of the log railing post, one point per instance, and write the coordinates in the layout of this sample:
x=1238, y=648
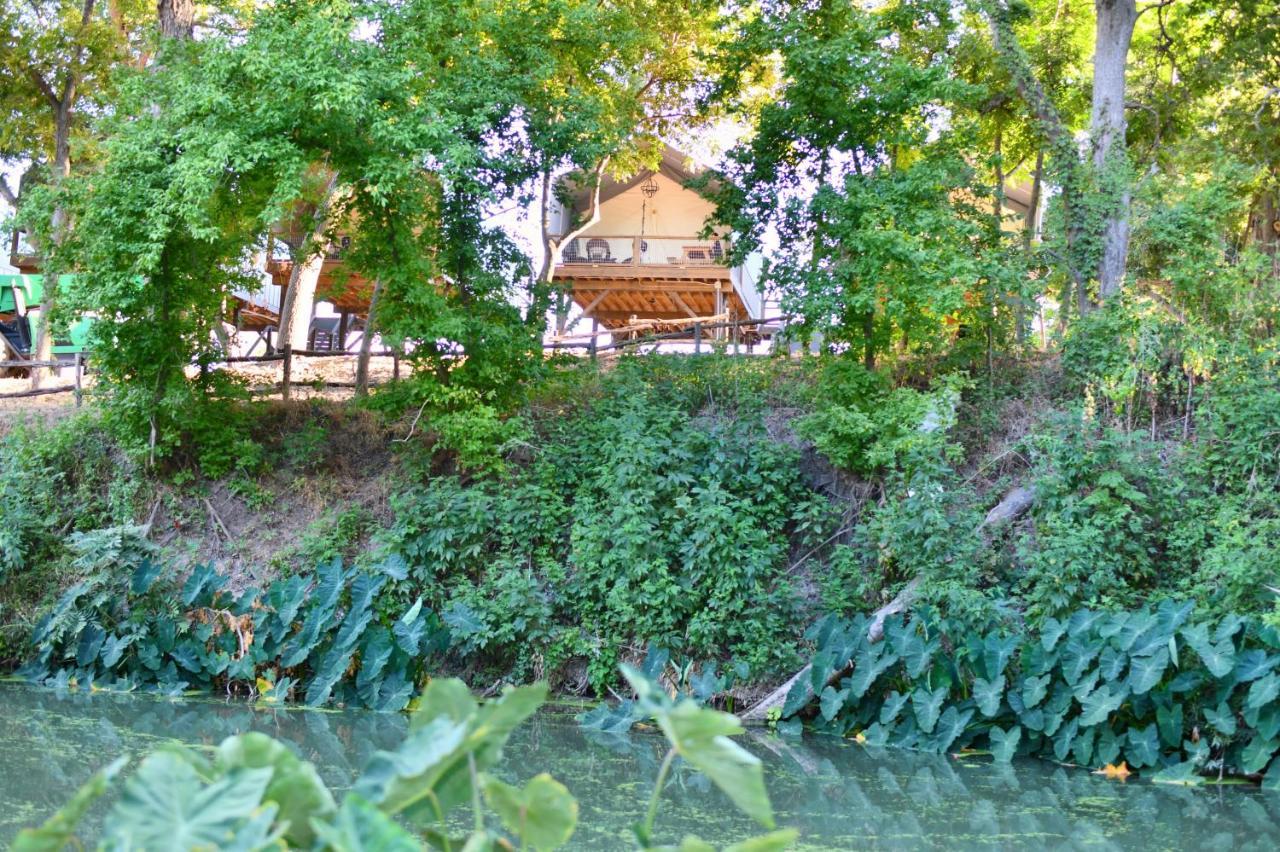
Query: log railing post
x=79, y=368
x=697, y=338
x=288, y=368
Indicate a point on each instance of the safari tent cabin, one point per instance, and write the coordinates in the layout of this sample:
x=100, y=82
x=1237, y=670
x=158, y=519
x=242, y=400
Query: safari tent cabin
x=645, y=258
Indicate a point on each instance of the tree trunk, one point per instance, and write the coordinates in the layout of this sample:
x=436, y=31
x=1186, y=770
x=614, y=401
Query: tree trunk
x=553, y=245
x=366, y=341
x=300, y=300
x=177, y=18
x=1264, y=223
x=308, y=261
x=1113, y=34
x=43, y=349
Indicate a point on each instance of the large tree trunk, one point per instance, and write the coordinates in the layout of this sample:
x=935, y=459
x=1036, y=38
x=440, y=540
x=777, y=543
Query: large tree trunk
x=299, y=301
x=177, y=18
x=308, y=262
x=1113, y=34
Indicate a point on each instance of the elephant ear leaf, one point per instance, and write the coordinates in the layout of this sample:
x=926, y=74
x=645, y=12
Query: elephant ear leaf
x=542, y=814
x=167, y=805
x=987, y=694
x=1004, y=744
x=58, y=831
x=360, y=827
x=409, y=628
x=701, y=737
x=295, y=787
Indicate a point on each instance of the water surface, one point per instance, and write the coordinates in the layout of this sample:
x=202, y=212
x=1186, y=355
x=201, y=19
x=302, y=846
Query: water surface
x=838, y=794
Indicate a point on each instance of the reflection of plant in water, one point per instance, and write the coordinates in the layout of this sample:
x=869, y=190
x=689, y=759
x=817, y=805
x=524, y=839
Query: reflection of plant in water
x=253, y=792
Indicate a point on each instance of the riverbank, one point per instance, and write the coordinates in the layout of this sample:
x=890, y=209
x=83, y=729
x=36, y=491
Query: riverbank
x=707, y=510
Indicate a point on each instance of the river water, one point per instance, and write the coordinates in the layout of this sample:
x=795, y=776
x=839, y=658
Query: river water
x=838, y=794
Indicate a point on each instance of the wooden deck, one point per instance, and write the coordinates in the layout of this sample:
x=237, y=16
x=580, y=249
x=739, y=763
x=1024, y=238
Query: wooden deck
x=349, y=293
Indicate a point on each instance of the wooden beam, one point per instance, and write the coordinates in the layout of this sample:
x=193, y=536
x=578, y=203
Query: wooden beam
x=675, y=297
x=586, y=311
x=644, y=285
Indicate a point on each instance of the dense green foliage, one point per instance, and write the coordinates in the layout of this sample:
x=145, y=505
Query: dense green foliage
x=139, y=629
x=1165, y=692
x=660, y=510
x=252, y=792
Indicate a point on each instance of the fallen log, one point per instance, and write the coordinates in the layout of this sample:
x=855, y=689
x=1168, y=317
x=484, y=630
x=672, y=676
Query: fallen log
x=1016, y=502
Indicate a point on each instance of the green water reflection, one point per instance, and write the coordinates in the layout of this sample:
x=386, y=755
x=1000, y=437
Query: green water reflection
x=840, y=796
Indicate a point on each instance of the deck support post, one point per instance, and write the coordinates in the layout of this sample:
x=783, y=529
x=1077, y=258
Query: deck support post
x=697, y=338
x=79, y=368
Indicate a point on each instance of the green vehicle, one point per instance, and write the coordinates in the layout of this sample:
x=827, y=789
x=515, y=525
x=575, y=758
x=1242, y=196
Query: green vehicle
x=20, y=298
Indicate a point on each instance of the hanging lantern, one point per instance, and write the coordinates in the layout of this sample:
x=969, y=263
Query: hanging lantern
x=649, y=187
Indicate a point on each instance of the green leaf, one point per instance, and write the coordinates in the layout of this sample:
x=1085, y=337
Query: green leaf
x=1146, y=672
x=1051, y=630
x=166, y=805
x=1004, y=744
x=1034, y=689
x=892, y=706
x=701, y=737
x=1271, y=780
x=928, y=707
x=396, y=780
x=1169, y=720
x=832, y=701
x=1262, y=692
x=1184, y=774
x=59, y=830
x=542, y=814
x=1257, y=754
x=144, y=576
x=360, y=827
x=1218, y=658
x=1143, y=746
x=295, y=786
x=988, y=695
x=870, y=664
x=951, y=724
x=1253, y=664
x=1101, y=703
x=1222, y=719
x=409, y=628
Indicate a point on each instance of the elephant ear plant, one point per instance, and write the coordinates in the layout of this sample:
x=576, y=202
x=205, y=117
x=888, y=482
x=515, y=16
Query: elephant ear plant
x=253, y=793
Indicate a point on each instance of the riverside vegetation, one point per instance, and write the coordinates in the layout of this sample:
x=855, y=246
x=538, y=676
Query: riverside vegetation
x=1037, y=453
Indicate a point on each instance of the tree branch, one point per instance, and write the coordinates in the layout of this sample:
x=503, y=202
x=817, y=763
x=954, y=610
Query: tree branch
x=10, y=198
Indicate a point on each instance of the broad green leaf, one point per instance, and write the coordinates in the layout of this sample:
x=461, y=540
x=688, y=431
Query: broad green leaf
x=360, y=827
x=1257, y=754
x=988, y=695
x=1253, y=664
x=1104, y=701
x=1143, y=746
x=144, y=576
x=1222, y=719
x=409, y=628
x=996, y=653
x=1184, y=774
x=701, y=737
x=1218, y=658
x=832, y=701
x=294, y=786
x=444, y=697
x=1004, y=744
x=951, y=724
x=166, y=805
x=927, y=705
x=1169, y=720
x=1077, y=654
x=59, y=830
x=542, y=814
x=1262, y=692
x=1051, y=630
x=396, y=780
x=1034, y=689
x=1271, y=780
x=1146, y=672
x=870, y=664
x=892, y=706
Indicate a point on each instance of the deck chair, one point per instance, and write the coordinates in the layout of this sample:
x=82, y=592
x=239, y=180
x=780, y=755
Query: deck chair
x=598, y=250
